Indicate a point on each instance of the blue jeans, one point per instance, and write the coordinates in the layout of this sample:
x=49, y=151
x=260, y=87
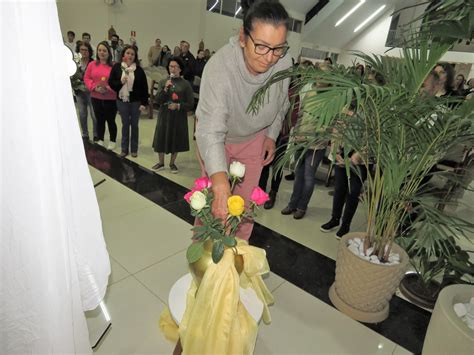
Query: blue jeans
x=130, y=113
x=84, y=104
x=304, y=178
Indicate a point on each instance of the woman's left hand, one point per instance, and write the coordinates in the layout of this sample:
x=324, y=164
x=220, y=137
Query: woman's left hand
x=269, y=149
x=142, y=108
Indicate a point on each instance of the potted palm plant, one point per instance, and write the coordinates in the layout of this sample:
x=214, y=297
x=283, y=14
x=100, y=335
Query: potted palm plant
x=400, y=134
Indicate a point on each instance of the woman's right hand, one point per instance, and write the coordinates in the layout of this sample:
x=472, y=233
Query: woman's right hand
x=168, y=84
x=221, y=191
x=124, y=79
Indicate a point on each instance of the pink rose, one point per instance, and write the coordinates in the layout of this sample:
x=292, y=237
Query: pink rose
x=174, y=97
x=187, y=197
x=258, y=196
x=201, y=183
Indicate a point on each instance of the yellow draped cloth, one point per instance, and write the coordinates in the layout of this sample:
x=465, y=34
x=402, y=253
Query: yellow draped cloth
x=215, y=321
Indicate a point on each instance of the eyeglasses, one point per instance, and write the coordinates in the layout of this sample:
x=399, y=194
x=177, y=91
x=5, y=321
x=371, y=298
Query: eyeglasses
x=262, y=49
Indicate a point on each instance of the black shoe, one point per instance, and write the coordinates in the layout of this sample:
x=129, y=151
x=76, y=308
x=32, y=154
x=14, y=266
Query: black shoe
x=299, y=214
x=329, y=226
x=271, y=202
x=290, y=177
x=342, y=231
x=158, y=166
x=174, y=169
x=287, y=210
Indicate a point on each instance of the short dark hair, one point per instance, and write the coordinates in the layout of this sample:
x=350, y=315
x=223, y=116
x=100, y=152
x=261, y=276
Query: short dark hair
x=86, y=34
x=71, y=33
x=200, y=50
x=267, y=11
x=128, y=46
x=177, y=60
x=115, y=35
x=107, y=46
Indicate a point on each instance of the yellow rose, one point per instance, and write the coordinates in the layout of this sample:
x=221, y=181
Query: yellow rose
x=235, y=204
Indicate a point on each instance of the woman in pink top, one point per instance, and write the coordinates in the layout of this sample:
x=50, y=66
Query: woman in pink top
x=102, y=96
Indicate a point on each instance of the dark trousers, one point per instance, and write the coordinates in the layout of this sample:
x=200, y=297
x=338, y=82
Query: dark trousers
x=105, y=111
x=347, y=191
x=276, y=175
x=130, y=113
x=305, y=177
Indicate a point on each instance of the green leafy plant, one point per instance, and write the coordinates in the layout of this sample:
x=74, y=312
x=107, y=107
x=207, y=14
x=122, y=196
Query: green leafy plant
x=399, y=132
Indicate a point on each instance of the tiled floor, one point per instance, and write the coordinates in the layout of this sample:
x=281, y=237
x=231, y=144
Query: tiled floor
x=147, y=248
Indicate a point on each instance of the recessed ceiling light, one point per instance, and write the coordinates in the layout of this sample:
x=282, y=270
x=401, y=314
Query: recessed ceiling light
x=369, y=18
x=238, y=10
x=213, y=6
x=351, y=11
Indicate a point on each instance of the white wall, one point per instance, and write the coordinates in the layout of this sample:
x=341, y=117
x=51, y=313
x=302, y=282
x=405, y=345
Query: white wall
x=169, y=20
x=372, y=40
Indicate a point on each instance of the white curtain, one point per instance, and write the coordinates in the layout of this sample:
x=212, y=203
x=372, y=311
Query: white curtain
x=54, y=263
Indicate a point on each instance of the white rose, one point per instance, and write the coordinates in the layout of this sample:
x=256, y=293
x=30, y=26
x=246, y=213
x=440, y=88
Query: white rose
x=237, y=169
x=198, y=200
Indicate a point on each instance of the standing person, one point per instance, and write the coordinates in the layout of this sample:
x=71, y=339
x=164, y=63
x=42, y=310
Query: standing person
x=70, y=41
x=86, y=37
x=176, y=99
x=128, y=80
x=103, y=97
x=176, y=51
x=116, y=49
x=154, y=52
x=199, y=63
x=83, y=96
x=164, y=57
x=346, y=193
x=188, y=60
x=225, y=132
x=307, y=161
x=281, y=145
x=459, y=89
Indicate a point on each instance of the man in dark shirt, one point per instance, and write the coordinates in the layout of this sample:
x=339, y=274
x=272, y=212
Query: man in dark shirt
x=188, y=59
x=199, y=63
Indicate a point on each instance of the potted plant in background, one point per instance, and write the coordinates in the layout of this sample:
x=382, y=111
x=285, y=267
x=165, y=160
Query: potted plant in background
x=400, y=134
x=449, y=265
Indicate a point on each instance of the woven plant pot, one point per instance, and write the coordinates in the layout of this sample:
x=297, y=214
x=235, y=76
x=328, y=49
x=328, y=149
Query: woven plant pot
x=362, y=290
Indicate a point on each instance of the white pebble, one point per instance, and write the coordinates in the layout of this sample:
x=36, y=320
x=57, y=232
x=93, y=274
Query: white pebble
x=369, y=251
x=358, y=241
x=460, y=309
x=354, y=249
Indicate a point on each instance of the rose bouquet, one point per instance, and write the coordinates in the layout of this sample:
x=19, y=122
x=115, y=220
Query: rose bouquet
x=221, y=232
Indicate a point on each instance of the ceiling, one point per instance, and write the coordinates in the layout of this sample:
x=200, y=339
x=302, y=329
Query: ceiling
x=321, y=30
x=299, y=6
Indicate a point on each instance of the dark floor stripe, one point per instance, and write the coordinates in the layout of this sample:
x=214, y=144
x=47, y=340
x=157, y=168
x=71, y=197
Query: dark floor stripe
x=302, y=266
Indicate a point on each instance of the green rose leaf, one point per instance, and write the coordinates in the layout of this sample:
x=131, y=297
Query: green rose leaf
x=229, y=241
x=217, y=251
x=194, y=252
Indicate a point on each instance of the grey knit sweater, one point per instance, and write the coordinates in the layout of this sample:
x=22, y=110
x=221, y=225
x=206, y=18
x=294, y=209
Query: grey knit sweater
x=226, y=90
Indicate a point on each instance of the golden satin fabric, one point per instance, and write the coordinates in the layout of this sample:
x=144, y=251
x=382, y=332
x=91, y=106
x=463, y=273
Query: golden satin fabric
x=215, y=321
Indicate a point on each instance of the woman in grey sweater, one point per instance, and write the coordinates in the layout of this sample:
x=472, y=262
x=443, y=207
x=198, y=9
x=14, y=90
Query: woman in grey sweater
x=224, y=131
